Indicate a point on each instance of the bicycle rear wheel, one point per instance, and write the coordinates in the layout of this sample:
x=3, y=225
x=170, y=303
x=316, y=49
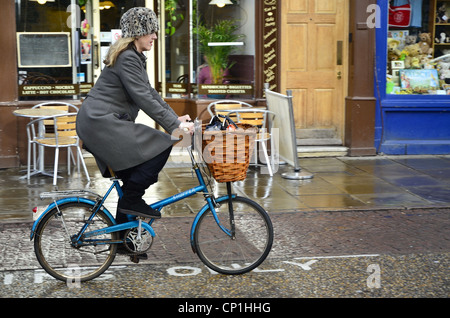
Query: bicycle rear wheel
x=246, y=250
x=59, y=257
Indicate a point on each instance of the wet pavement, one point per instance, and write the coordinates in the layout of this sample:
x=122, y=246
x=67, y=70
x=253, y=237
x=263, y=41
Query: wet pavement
x=390, y=212
x=337, y=184
x=344, y=277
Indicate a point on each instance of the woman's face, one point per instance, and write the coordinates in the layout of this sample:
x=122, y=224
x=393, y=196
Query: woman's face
x=145, y=43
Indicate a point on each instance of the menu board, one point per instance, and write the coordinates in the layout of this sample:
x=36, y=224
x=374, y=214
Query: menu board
x=271, y=43
x=44, y=49
x=281, y=105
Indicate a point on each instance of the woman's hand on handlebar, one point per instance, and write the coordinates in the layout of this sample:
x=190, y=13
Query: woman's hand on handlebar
x=185, y=119
x=187, y=127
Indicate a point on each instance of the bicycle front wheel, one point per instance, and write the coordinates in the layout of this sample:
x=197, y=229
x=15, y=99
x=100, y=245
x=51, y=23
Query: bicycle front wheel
x=239, y=253
x=62, y=259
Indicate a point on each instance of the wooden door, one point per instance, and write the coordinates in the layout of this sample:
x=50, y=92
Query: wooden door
x=314, y=64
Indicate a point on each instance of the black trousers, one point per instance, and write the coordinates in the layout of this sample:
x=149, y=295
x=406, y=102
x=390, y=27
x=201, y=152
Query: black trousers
x=141, y=177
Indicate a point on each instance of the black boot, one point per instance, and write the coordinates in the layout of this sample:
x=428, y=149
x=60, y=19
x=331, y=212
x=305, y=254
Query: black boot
x=132, y=202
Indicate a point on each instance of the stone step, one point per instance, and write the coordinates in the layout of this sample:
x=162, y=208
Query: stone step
x=319, y=142
x=321, y=151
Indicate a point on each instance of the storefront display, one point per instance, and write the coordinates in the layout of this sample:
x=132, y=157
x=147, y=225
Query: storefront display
x=418, y=39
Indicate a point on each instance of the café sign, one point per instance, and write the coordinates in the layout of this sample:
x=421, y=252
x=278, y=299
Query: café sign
x=54, y=89
x=225, y=89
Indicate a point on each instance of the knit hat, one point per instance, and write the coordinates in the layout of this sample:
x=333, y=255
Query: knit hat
x=138, y=22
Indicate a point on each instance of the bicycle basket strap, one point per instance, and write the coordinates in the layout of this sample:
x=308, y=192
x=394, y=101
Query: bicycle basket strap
x=217, y=124
x=214, y=124
x=229, y=120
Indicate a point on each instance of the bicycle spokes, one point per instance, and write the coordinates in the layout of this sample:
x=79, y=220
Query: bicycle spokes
x=238, y=253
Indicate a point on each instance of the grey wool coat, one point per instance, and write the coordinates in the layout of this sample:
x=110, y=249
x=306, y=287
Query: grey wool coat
x=105, y=122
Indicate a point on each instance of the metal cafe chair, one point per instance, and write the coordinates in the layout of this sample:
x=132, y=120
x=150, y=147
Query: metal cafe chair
x=61, y=106
x=263, y=119
x=223, y=107
x=57, y=131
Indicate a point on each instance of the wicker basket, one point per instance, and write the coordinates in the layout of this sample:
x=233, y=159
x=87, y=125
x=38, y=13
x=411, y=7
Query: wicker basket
x=227, y=153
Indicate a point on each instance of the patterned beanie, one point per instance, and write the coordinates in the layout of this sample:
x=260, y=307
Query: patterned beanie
x=138, y=22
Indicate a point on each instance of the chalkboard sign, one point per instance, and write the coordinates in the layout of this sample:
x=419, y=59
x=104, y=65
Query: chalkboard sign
x=44, y=49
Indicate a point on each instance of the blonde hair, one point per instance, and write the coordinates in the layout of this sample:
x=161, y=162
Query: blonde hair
x=118, y=47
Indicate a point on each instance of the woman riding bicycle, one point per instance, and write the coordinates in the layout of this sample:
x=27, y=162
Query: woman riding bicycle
x=136, y=153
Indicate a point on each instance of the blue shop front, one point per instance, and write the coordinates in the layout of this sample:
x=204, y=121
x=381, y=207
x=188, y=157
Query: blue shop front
x=412, y=77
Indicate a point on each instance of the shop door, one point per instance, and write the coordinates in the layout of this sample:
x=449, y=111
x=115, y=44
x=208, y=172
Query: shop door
x=313, y=63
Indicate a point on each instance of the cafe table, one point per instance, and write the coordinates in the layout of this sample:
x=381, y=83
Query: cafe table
x=34, y=113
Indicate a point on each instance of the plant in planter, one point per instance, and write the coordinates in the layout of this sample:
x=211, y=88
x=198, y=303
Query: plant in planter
x=217, y=56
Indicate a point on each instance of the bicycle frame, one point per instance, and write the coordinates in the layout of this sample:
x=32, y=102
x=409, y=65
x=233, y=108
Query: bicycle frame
x=82, y=237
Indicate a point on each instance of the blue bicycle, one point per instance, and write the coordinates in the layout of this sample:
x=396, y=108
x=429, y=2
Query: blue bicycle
x=76, y=237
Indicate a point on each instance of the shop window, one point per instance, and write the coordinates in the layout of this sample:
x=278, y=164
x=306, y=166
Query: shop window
x=47, y=66
x=418, y=47
x=60, y=48
x=209, y=49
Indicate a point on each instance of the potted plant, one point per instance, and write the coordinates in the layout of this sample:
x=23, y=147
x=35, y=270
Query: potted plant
x=217, y=56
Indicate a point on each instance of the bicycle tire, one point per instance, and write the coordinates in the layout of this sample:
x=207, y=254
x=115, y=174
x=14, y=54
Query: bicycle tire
x=252, y=242
x=59, y=258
